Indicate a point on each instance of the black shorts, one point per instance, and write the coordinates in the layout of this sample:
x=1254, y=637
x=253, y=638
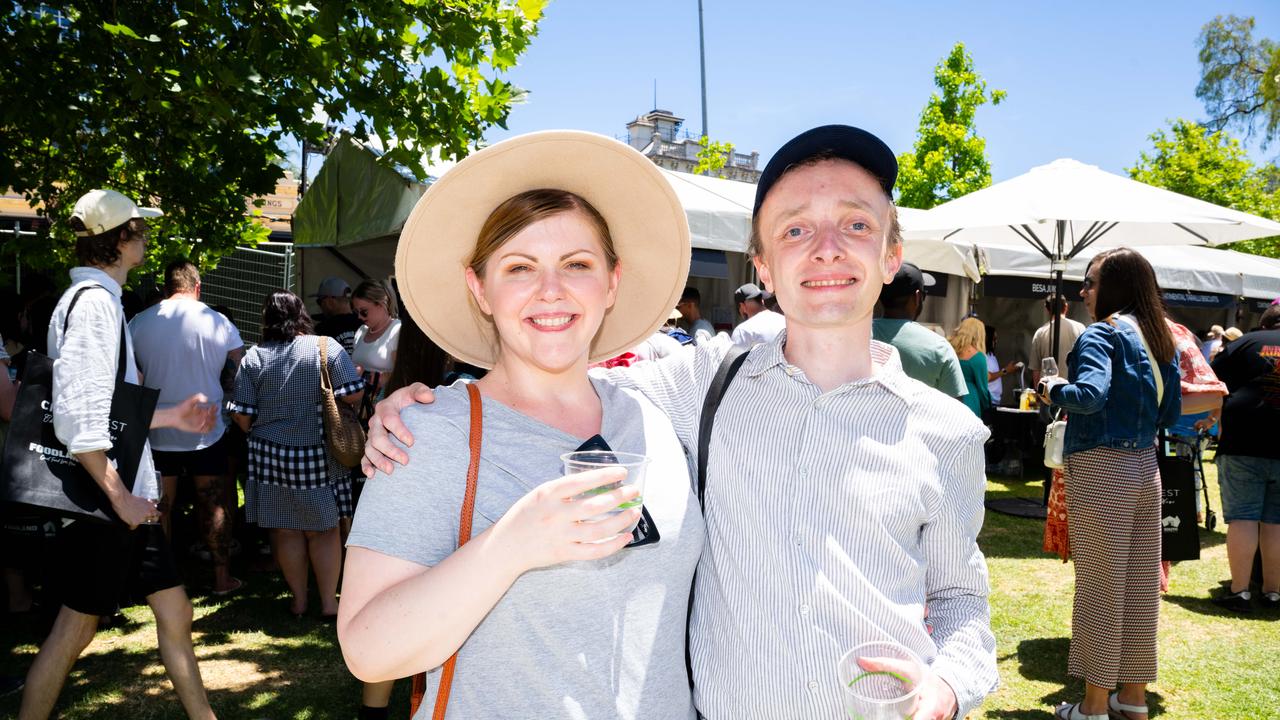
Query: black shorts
x=97, y=563
x=208, y=461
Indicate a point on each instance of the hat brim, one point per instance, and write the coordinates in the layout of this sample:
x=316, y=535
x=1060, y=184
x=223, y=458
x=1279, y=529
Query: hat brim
x=147, y=212
x=645, y=218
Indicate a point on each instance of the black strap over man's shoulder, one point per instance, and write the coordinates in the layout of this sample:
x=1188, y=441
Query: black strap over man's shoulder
x=120, y=361
x=715, y=393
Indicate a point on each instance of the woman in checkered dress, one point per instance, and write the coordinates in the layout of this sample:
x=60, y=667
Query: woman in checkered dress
x=1123, y=384
x=295, y=488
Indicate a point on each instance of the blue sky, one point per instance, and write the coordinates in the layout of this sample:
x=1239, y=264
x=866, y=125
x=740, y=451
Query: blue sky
x=1086, y=80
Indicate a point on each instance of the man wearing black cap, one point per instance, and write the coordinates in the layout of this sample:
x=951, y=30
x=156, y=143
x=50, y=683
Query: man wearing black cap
x=759, y=325
x=856, y=488
x=337, y=320
x=926, y=355
x=690, y=307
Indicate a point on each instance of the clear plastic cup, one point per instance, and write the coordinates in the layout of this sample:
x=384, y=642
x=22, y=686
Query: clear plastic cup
x=885, y=686
x=634, y=463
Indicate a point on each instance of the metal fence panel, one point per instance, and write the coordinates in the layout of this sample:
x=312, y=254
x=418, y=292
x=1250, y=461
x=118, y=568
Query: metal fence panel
x=243, y=279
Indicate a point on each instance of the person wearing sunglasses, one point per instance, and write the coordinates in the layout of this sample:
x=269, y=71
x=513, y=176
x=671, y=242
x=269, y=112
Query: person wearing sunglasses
x=376, y=341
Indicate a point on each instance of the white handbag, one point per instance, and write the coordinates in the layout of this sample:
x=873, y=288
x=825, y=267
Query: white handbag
x=1054, y=436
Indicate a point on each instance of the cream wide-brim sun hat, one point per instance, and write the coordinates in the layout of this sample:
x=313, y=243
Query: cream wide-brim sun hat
x=645, y=218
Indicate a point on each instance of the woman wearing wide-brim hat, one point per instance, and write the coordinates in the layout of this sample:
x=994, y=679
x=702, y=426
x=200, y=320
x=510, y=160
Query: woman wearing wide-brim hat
x=534, y=257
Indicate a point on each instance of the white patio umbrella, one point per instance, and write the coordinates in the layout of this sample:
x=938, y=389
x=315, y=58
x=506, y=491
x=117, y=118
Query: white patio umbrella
x=1062, y=208
x=930, y=252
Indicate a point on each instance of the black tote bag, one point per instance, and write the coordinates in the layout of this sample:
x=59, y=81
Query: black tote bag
x=38, y=474
x=1179, y=531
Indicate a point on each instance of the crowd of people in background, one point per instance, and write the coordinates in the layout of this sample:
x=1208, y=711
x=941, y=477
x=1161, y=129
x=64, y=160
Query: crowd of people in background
x=234, y=417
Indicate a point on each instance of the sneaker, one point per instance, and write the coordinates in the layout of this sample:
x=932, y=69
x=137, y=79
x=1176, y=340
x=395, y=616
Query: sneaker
x=1271, y=601
x=1235, y=602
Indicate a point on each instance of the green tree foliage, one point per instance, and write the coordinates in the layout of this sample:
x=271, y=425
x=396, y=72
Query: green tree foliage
x=1211, y=165
x=949, y=159
x=712, y=157
x=184, y=106
x=1239, y=78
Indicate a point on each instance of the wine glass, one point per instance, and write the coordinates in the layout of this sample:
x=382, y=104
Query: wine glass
x=1048, y=368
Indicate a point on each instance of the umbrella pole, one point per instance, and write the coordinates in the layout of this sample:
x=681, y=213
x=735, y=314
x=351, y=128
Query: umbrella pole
x=1057, y=263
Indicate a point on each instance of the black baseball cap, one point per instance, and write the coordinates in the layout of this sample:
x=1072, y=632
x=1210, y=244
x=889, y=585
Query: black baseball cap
x=750, y=291
x=907, y=281
x=841, y=141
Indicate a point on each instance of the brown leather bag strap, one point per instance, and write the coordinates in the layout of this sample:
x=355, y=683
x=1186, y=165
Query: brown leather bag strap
x=419, y=688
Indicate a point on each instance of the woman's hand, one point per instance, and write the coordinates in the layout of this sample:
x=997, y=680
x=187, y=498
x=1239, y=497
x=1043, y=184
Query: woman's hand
x=551, y=524
x=1045, y=386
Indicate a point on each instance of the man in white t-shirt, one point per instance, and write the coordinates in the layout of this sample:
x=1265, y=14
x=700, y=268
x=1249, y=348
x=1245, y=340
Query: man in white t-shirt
x=759, y=324
x=1042, y=341
x=182, y=347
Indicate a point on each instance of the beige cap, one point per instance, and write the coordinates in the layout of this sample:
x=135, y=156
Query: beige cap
x=103, y=210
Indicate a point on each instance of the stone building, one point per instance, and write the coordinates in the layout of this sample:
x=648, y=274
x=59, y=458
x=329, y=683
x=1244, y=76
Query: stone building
x=658, y=135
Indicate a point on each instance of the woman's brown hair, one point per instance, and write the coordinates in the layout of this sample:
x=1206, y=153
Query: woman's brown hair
x=520, y=211
x=1127, y=284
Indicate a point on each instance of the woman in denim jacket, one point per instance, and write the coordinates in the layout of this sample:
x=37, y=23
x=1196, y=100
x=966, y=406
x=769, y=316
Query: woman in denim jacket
x=1116, y=402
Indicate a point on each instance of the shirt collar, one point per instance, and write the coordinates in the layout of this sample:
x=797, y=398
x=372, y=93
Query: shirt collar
x=84, y=274
x=888, y=374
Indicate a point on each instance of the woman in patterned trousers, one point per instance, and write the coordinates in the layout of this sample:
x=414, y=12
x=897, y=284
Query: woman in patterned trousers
x=1122, y=385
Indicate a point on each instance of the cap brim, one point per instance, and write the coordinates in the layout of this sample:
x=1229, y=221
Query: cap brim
x=147, y=212
x=645, y=219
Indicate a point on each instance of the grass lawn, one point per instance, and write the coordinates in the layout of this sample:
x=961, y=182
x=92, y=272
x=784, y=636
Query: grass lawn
x=260, y=662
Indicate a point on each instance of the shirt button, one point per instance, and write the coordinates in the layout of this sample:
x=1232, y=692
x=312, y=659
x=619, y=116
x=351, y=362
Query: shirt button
x=813, y=686
x=804, y=609
x=796, y=539
x=804, y=471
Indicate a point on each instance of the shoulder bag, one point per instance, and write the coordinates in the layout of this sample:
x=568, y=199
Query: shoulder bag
x=39, y=472
x=419, y=688
x=342, y=430
x=1179, y=527
x=1055, y=436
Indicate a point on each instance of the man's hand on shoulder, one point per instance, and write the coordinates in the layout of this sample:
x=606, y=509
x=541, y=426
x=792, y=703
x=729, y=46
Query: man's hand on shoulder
x=380, y=453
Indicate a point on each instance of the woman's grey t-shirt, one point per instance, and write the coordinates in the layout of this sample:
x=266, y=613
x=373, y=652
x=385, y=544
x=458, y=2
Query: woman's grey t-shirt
x=598, y=639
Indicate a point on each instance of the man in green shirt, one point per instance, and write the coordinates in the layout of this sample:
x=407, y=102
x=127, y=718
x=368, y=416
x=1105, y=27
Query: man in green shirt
x=926, y=356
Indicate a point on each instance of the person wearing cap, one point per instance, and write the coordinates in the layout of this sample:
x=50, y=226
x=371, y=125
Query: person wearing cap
x=337, y=320
x=1212, y=341
x=96, y=562
x=860, y=487
x=760, y=325
x=925, y=355
x=1042, y=341
x=690, y=307
x=534, y=257
x=182, y=347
